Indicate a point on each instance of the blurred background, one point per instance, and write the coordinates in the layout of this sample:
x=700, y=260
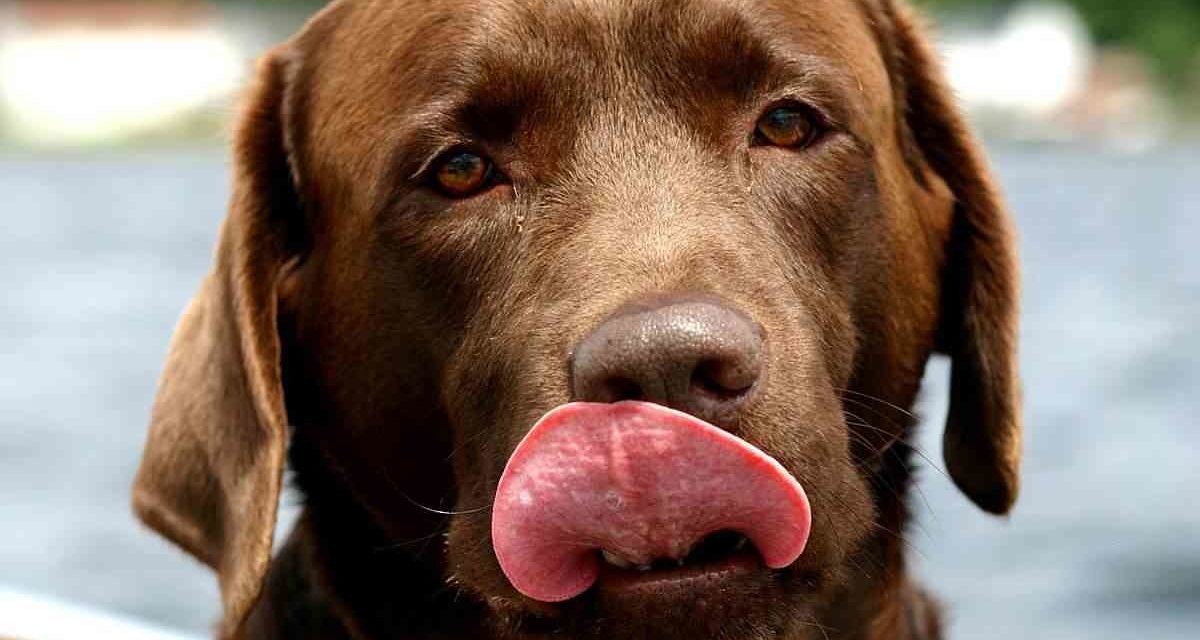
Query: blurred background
x=114, y=178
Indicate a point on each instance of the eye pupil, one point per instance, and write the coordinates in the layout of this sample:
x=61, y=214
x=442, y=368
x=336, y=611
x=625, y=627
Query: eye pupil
x=785, y=127
x=463, y=173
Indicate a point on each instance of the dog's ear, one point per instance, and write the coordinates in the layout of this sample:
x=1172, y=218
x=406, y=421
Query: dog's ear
x=978, y=325
x=213, y=464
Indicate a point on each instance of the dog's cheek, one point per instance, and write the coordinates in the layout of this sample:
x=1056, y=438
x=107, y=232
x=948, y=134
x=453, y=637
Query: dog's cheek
x=496, y=384
x=796, y=416
x=799, y=422
x=826, y=219
x=849, y=513
x=473, y=568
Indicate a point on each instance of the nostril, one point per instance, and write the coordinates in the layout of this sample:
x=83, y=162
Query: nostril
x=726, y=380
x=698, y=357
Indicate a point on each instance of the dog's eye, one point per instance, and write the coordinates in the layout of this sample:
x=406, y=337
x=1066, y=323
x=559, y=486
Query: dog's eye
x=463, y=173
x=788, y=126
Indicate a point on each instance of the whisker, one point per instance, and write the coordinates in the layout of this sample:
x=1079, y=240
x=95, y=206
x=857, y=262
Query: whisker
x=856, y=421
x=859, y=421
x=396, y=545
x=920, y=492
x=812, y=622
x=879, y=400
x=440, y=512
x=395, y=487
x=915, y=449
x=851, y=558
x=469, y=440
x=878, y=413
x=888, y=448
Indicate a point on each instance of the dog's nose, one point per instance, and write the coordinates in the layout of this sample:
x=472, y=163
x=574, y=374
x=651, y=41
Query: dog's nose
x=699, y=357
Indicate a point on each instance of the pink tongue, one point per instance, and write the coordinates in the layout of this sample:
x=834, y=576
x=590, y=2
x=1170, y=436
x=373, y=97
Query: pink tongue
x=641, y=481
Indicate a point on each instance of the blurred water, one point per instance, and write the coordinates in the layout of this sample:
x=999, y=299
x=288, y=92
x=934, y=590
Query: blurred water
x=99, y=254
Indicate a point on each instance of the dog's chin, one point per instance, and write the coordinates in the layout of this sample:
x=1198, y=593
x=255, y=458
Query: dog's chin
x=733, y=597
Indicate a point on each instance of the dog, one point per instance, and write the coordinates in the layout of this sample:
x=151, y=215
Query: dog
x=588, y=319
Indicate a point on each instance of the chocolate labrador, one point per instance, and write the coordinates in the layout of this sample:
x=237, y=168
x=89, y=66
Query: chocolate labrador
x=588, y=319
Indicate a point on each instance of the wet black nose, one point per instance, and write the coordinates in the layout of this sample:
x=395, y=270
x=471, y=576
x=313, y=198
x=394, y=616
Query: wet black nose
x=695, y=356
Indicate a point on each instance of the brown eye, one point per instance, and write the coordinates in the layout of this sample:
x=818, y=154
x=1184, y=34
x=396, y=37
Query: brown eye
x=787, y=126
x=463, y=173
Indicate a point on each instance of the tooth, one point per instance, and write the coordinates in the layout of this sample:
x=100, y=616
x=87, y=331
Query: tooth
x=615, y=560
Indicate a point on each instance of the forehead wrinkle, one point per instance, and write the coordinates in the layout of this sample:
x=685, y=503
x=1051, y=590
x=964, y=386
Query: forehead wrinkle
x=612, y=63
x=689, y=57
x=507, y=61
x=679, y=51
x=486, y=58
x=518, y=59
x=536, y=36
x=704, y=47
x=709, y=63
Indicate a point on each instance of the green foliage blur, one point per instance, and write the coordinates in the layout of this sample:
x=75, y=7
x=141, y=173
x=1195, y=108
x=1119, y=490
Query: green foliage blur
x=1167, y=32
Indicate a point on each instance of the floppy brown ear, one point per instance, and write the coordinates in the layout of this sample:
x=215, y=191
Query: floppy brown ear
x=211, y=473
x=978, y=326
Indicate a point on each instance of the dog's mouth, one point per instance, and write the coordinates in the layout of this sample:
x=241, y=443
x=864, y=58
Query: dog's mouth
x=636, y=496
x=717, y=558
x=712, y=549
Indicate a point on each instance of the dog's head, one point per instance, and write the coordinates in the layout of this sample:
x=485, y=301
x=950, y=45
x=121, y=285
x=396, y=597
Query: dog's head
x=452, y=220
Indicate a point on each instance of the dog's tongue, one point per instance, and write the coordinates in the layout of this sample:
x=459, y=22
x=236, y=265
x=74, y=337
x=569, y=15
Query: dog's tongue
x=641, y=481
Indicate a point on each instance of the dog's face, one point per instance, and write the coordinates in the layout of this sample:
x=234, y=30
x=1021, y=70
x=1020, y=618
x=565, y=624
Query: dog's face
x=470, y=214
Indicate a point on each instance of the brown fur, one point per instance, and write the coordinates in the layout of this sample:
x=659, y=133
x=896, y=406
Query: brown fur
x=400, y=343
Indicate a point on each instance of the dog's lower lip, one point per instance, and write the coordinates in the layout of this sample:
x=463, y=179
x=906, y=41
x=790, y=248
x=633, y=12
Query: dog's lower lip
x=618, y=581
